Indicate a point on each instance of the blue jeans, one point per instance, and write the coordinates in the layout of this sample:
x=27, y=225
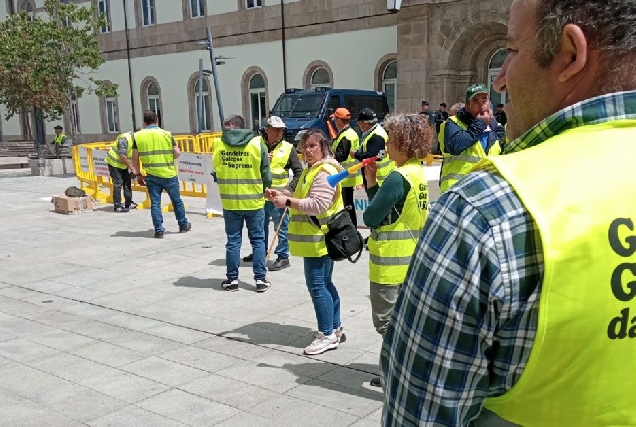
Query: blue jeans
x=323, y=293
x=271, y=211
x=156, y=186
x=234, y=231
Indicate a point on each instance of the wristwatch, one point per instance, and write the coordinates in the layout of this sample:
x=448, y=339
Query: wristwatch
x=288, y=202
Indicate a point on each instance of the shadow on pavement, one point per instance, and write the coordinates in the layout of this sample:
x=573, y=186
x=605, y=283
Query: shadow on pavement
x=264, y=333
x=219, y=262
x=125, y=233
x=352, y=379
x=195, y=282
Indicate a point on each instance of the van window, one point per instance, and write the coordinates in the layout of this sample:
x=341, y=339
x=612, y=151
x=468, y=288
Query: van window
x=334, y=102
x=355, y=103
x=298, y=105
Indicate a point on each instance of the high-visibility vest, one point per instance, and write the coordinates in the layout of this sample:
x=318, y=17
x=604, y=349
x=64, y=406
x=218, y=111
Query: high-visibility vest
x=391, y=246
x=238, y=173
x=113, y=158
x=306, y=239
x=59, y=139
x=386, y=165
x=581, y=367
x=155, y=152
x=280, y=157
x=355, y=179
x=454, y=167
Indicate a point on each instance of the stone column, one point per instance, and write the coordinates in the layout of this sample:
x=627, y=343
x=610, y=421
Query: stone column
x=412, y=54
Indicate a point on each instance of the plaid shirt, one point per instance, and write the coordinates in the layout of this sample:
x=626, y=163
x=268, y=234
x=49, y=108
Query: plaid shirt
x=466, y=319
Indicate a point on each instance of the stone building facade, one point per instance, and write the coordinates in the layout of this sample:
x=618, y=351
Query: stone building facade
x=429, y=49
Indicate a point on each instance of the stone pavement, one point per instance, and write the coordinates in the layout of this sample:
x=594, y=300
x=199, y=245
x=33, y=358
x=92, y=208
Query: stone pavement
x=103, y=325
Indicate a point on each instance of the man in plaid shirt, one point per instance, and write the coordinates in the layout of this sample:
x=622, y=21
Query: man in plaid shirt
x=519, y=304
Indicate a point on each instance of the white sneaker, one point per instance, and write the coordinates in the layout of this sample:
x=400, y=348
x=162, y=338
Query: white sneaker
x=340, y=334
x=322, y=343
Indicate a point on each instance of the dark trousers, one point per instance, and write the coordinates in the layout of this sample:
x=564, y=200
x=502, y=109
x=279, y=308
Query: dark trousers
x=121, y=178
x=58, y=150
x=347, y=199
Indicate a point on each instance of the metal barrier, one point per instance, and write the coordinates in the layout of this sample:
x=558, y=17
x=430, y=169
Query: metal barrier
x=93, y=182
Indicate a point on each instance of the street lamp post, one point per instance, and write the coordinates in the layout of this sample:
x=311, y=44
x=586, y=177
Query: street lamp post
x=215, y=76
x=200, y=100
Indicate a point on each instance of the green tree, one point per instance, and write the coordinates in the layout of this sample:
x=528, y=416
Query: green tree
x=47, y=58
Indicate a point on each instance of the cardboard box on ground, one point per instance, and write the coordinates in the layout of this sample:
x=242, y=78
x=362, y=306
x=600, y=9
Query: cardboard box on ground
x=70, y=205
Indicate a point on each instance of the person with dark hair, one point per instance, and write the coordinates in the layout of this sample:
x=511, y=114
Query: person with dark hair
x=241, y=165
x=59, y=141
x=426, y=112
x=500, y=115
x=373, y=141
x=312, y=204
x=396, y=213
x=121, y=169
x=518, y=308
x=441, y=116
x=157, y=150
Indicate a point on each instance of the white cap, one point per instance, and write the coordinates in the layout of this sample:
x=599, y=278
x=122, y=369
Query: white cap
x=276, y=122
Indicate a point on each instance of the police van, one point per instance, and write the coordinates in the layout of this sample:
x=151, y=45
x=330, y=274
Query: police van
x=304, y=109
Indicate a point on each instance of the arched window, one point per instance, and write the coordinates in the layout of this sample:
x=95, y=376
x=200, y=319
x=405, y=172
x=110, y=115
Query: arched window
x=256, y=92
x=389, y=83
x=494, y=66
x=29, y=8
x=202, y=106
x=154, y=100
x=319, y=78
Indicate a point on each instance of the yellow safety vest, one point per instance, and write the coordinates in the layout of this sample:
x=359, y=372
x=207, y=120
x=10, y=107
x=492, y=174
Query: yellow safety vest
x=391, y=247
x=305, y=238
x=113, y=158
x=59, y=139
x=581, y=367
x=355, y=179
x=155, y=152
x=386, y=165
x=280, y=157
x=238, y=173
x=455, y=167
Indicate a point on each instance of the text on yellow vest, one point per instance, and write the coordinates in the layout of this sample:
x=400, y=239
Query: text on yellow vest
x=391, y=246
x=238, y=174
x=580, y=368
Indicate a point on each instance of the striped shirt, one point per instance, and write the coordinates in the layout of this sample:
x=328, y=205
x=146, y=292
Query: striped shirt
x=467, y=316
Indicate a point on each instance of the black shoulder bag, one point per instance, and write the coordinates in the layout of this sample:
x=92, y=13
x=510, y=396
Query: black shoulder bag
x=342, y=237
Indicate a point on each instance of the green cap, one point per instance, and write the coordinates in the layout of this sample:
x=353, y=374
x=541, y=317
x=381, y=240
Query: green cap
x=474, y=90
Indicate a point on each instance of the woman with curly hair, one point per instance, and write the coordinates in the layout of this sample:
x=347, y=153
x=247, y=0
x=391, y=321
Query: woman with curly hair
x=396, y=213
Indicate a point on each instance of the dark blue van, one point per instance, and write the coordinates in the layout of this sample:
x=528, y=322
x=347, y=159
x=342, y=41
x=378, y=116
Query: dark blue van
x=303, y=109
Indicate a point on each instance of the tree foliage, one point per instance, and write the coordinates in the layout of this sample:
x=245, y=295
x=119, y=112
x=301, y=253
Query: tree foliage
x=45, y=59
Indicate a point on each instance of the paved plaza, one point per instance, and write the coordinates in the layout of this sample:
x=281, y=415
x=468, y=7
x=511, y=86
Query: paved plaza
x=103, y=325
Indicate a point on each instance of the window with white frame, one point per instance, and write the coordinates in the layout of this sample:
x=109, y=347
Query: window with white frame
x=319, y=78
x=74, y=116
x=111, y=115
x=102, y=8
x=197, y=8
x=389, y=83
x=66, y=20
x=154, y=102
x=147, y=12
x=251, y=4
x=256, y=92
x=202, y=102
x=29, y=8
x=494, y=66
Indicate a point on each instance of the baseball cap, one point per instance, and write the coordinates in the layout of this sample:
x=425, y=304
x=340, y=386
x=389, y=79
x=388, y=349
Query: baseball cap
x=424, y=102
x=275, y=122
x=474, y=90
x=342, y=113
x=367, y=115
x=58, y=127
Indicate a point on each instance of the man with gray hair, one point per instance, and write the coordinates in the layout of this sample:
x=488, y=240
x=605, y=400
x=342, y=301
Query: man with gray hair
x=520, y=302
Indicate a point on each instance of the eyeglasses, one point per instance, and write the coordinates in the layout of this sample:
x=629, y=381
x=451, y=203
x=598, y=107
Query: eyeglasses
x=310, y=147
